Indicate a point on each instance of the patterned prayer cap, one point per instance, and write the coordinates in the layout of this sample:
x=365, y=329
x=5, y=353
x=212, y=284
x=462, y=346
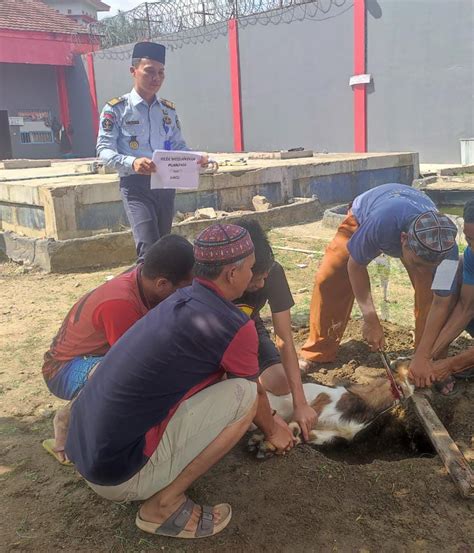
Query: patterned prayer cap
x=432, y=235
x=222, y=245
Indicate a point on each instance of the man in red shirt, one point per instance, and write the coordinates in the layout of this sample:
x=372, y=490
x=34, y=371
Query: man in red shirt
x=100, y=318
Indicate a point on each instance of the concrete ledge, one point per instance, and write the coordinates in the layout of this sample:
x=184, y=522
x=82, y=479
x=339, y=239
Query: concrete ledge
x=424, y=181
x=26, y=163
x=283, y=154
x=458, y=170
x=77, y=205
x=334, y=216
x=449, y=196
x=117, y=248
x=301, y=211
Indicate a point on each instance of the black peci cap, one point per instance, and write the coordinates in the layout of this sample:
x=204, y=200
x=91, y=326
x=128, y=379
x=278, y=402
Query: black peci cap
x=149, y=50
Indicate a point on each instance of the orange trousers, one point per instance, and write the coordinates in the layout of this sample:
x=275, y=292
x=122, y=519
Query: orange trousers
x=332, y=299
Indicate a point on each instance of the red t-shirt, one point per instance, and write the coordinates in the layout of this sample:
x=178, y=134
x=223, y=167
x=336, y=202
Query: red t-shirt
x=97, y=321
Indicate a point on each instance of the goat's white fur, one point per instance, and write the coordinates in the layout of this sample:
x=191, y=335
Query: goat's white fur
x=331, y=422
x=330, y=417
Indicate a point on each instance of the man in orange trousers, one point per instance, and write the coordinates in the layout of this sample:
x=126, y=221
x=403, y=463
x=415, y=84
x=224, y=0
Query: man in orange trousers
x=394, y=219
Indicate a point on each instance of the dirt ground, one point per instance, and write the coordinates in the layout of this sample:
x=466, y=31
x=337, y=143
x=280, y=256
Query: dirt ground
x=386, y=491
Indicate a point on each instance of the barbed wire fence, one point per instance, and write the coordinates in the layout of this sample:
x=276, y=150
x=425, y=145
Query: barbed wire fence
x=180, y=22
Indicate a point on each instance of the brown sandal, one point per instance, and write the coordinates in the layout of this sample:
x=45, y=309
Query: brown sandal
x=174, y=525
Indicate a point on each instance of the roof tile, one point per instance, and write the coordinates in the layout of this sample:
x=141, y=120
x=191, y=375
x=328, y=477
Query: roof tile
x=34, y=15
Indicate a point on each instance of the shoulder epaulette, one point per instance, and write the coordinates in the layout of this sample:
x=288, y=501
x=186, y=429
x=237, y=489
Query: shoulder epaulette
x=116, y=101
x=168, y=104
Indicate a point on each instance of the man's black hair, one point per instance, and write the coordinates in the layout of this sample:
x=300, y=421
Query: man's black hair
x=468, y=214
x=211, y=271
x=264, y=257
x=171, y=257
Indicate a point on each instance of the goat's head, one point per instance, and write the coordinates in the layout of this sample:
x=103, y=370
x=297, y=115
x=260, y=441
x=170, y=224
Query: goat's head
x=400, y=369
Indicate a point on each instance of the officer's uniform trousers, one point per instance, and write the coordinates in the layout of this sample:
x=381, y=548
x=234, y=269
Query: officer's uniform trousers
x=149, y=211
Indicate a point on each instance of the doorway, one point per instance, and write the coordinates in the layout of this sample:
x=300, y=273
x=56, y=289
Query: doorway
x=5, y=141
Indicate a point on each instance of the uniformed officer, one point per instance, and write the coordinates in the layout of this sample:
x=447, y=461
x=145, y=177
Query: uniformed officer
x=131, y=128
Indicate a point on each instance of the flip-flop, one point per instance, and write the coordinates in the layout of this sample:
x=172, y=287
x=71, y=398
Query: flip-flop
x=49, y=446
x=173, y=526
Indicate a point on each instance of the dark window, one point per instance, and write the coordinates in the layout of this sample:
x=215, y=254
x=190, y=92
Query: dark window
x=36, y=137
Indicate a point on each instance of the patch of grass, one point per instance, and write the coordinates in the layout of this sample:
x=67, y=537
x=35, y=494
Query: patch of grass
x=398, y=309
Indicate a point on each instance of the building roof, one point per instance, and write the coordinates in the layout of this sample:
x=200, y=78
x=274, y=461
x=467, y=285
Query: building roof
x=34, y=15
x=96, y=4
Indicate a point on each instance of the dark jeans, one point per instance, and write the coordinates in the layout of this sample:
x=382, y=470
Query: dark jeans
x=150, y=212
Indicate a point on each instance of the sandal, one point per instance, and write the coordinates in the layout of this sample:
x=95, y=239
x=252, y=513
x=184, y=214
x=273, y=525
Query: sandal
x=173, y=526
x=49, y=445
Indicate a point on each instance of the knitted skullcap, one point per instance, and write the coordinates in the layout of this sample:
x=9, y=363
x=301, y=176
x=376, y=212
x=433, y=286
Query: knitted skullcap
x=222, y=245
x=432, y=236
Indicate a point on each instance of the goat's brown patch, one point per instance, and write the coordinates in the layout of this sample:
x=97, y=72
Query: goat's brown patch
x=320, y=402
x=362, y=403
x=377, y=395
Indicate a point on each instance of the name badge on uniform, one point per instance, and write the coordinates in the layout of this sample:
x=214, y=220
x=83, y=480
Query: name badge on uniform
x=133, y=143
x=132, y=122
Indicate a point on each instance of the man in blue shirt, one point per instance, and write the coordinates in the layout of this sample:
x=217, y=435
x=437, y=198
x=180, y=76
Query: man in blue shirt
x=461, y=318
x=131, y=128
x=394, y=219
x=157, y=413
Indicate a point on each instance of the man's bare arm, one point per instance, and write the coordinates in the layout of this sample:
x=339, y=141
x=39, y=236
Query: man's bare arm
x=275, y=429
x=303, y=414
x=462, y=313
x=360, y=282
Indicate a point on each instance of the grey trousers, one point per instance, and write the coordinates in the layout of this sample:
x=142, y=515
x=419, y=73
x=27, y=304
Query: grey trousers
x=149, y=212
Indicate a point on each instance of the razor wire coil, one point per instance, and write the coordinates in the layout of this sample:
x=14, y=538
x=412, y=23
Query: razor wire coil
x=176, y=23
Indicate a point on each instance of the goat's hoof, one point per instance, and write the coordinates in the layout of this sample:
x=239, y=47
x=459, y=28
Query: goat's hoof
x=295, y=429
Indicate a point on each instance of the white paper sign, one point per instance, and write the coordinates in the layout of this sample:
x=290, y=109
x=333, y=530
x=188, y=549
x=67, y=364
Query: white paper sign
x=175, y=169
x=444, y=276
x=364, y=78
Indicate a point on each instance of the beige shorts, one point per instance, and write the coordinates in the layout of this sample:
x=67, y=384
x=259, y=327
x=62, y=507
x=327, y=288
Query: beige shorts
x=197, y=422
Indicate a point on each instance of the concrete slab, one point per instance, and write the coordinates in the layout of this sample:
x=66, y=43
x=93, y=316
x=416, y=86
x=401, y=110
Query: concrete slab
x=67, y=200
x=117, y=248
x=445, y=168
x=25, y=163
x=283, y=154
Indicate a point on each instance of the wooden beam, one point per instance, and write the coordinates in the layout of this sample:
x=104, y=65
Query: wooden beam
x=454, y=461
